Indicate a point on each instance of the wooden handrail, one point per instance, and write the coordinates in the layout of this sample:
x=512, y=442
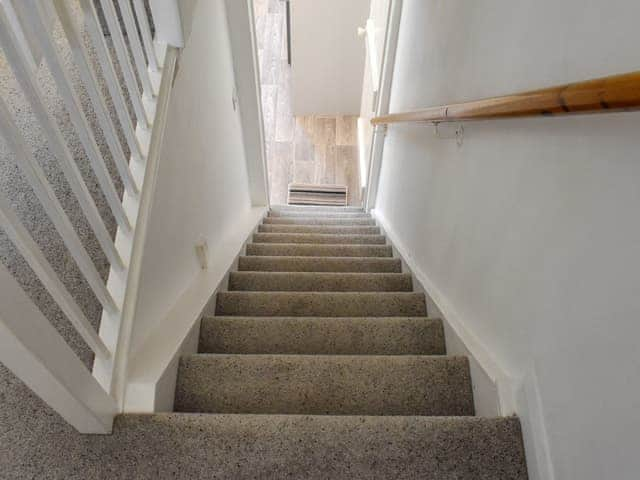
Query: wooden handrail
x=609, y=94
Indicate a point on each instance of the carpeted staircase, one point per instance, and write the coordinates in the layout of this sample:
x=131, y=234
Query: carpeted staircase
x=320, y=363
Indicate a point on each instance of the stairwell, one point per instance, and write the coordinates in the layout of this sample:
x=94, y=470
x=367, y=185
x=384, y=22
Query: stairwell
x=322, y=362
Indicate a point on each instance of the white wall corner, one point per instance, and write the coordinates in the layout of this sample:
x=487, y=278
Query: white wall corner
x=528, y=404
x=153, y=369
x=240, y=22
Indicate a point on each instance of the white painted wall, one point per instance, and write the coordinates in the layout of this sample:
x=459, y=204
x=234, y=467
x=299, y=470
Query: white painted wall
x=379, y=15
x=327, y=56
x=203, y=186
x=246, y=68
x=530, y=230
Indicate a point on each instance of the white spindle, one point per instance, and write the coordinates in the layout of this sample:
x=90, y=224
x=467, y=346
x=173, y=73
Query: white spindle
x=27, y=43
x=33, y=23
x=29, y=345
x=92, y=85
x=34, y=95
x=122, y=53
x=136, y=46
x=145, y=31
x=127, y=317
x=38, y=181
x=39, y=264
x=108, y=71
x=36, y=353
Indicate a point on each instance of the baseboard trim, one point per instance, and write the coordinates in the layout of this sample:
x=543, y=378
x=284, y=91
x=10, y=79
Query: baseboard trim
x=517, y=394
x=498, y=375
x=534, y=431
x=151, y=381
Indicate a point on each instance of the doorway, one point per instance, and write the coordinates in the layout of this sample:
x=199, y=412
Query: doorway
x=319, y=148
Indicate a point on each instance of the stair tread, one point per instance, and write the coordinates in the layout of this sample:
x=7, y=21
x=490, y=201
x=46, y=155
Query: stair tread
x=318, y=213
x=318, y=250
x=323, y=304
x=323, y=335
x=314, y=208
x=192, y=446
x=319, y=238
x=320, y=281
x=326, y=229
x=319, y=264
x=324, y=384
x=308, y=220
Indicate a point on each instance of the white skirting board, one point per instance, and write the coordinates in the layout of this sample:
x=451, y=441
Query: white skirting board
x=153, y=370
x=495, y=391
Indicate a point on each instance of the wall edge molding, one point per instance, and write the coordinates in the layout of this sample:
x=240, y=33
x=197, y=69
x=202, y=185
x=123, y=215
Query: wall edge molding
x=518, y=395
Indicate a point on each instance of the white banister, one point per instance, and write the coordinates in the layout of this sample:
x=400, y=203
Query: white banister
x=35, y=97
x=29, y=345
x=39, y=264
x=90, y=82
x=32, y=21
x=136, y=47
x=36, y=353
x=145, y=32
x=146, y=199
x=38, y=182
x=120, y=46
x=111, y=79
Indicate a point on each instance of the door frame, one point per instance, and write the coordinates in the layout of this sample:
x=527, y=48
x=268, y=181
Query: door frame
x=383, y=99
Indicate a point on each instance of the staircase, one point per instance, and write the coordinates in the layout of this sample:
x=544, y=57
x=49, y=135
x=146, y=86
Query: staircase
x=321, y=362
x=327, y=354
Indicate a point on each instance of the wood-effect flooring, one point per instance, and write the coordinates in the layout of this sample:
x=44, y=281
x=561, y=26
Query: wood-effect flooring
x=310, y=149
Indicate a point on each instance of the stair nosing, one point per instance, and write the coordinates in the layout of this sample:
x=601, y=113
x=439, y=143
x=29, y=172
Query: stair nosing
x=319, y=258
x=359, y=356
x=257, y=317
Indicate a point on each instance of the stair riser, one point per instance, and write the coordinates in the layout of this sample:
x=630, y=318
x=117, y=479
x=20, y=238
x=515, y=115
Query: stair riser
x=295, y=208
x=318, y=221
x=188, y=446
x=314, y=238
x=297, y=304
x=324, y=385
x=315, y=208
x=308, y=250
x=322, y=336
x=323, y=264
x=319, y=229
x=319, y=214
x=319, y=282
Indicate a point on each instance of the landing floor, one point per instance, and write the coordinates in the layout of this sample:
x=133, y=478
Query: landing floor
x=299, y=149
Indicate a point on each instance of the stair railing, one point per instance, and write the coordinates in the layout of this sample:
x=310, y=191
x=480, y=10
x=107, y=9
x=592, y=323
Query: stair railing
x=616, y=93
x=29, y=345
